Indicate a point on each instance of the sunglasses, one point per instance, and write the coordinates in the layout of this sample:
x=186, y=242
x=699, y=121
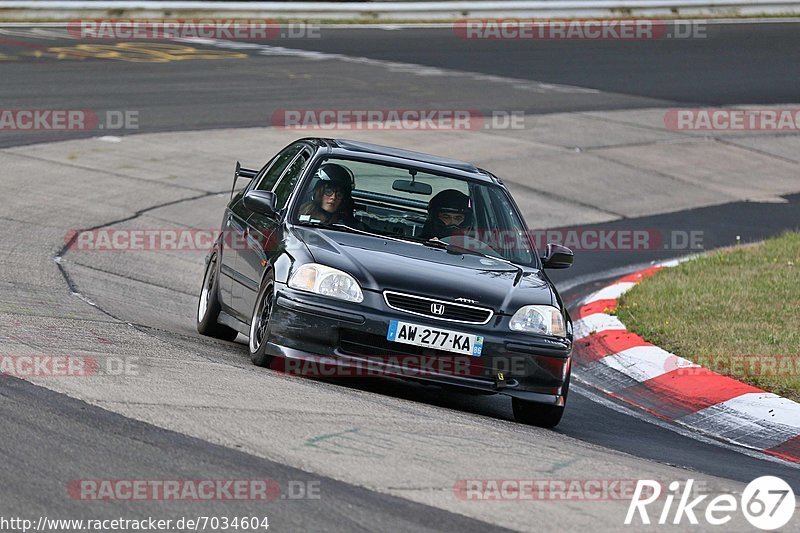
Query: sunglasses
x=330, y=190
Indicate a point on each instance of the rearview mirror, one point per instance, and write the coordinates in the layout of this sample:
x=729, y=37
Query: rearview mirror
x=414, y=187
x=262, y=202
x=557, y=256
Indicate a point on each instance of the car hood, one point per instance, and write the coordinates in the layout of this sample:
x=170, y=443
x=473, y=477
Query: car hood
x=387, y=264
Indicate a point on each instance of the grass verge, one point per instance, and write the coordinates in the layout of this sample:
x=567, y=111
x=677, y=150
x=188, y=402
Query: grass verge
x=735, y=311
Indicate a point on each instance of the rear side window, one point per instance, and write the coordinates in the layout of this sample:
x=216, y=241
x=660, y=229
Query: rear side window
x=276, y=167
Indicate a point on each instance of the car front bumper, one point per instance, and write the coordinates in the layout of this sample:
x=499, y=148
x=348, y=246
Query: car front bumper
x=325, y=337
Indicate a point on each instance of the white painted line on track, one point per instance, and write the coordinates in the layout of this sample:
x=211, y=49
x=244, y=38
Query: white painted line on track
x=680, y=430
x=392, y=66
x=593, y=323
x=766, y=407
x=399, y=25
x=618, y=272
x=446, y=25
x=758, y=420
x=645, y=362
x=612, y=292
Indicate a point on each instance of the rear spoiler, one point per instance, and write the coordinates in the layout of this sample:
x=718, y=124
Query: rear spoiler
x=247, y=173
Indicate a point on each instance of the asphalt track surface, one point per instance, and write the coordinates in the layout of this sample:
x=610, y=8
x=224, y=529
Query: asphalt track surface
x=732, y=64
x=739, y=64
x=735, y=64
x=35, y=415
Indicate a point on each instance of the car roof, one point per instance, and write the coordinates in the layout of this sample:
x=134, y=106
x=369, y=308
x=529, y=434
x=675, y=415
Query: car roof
x=379, y=152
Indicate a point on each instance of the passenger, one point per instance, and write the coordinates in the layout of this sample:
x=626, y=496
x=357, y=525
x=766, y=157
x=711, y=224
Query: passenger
x=449, y=213
x=331, y=202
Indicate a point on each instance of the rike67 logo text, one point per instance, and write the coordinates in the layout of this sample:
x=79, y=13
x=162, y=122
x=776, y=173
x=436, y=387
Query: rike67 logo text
x=767, y=503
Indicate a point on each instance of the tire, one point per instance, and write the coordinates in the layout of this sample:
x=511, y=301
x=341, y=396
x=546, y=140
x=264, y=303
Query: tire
x=537, y=414
x=259, y=325
x=208, y=307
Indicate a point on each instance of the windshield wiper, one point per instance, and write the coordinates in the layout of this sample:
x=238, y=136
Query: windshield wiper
x=350, y=229
x=452, y=248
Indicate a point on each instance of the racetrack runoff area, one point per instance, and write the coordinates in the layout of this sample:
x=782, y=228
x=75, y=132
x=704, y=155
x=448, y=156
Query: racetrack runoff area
x=403, y=455
x=138, y=307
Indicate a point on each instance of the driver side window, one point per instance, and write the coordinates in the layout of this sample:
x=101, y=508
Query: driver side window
x=276, y=168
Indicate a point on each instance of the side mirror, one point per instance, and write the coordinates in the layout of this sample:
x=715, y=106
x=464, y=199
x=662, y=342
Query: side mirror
x=262, y=202
x=557, y=256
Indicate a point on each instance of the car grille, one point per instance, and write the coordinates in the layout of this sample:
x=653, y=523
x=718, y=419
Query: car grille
x=453, y=312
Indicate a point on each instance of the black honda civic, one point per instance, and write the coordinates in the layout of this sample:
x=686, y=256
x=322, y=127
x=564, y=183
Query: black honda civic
x=344, y=258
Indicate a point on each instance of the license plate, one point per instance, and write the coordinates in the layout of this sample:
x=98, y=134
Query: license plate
x=440, y=339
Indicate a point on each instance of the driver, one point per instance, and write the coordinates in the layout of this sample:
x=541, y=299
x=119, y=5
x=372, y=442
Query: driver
x=449, y=213
x=331, y=202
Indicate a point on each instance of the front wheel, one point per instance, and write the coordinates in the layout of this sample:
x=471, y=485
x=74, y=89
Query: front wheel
x=536, y=414
x=259, y=325
x=208, y=307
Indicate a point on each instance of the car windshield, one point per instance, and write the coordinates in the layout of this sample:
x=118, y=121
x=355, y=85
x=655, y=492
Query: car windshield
x=411, y=205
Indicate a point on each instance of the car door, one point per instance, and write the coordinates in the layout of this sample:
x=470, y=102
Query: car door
x=236, y=232
x=265, y=238
x=233, y=235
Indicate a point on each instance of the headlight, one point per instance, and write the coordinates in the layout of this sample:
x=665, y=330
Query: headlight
x=542, y=319
x=327, y=281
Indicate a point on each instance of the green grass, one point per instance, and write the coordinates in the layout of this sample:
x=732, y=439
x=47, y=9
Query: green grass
x=735, y=311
